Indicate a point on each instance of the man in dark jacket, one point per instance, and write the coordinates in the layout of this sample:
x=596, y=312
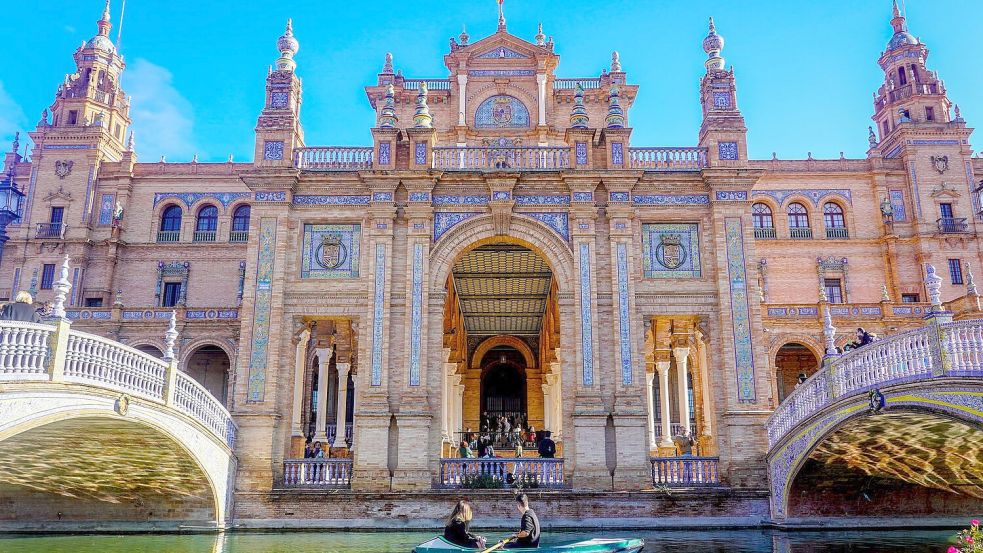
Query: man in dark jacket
x=547, y=447
x=21, y=310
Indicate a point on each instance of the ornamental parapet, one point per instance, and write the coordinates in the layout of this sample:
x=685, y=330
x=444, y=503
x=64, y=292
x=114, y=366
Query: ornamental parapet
x=148, y=314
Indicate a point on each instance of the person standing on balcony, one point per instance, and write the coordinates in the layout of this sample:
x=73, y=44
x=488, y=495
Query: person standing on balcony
x=465, y=450
x=22, y=310
x=547, y=447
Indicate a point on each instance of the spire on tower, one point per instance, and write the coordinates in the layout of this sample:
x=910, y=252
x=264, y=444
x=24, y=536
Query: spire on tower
x=387, y=67
x=713, y=44
x=540, y=37
x=900, y=24
x=616, y=114
x=501, y=15
x=101, y=41
x=578, y=115
x=288, y=47
x=421, y=117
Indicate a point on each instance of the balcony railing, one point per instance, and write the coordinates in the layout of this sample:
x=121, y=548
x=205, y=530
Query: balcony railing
x=332, y=432
x=317, y=473
x=685, y=471
x=204, y=236
x=667, y=159
x=432, y=84
x=675, y=428
x=239, y=236
x=51, y=231
x=800, y=233
x=531, y=472
x=764, y=232
x=952, y=225
x=546, y=158
x=571, y=84
x=334, y=158
x=168, y=235
x=837, y=232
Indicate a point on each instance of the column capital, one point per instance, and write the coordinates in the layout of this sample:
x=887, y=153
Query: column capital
x=681, y=354
x=324, y=355
x=662, y=366
x=343, y=369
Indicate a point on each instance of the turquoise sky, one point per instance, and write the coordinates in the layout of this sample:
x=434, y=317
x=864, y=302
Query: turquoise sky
x=806, y=71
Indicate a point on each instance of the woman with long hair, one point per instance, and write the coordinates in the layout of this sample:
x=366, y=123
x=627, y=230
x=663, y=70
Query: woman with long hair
x=458, y=525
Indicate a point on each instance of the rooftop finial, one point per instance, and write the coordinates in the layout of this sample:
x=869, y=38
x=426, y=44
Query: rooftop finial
x=898, y=19
x=387, y=117
x=16, y=144
x=616, y=115
x=421, y=117
x=131, y=143
x=578, y=115
x=464, y=37
x=101, y=41
x=501, y=15
x=288, y=47
x=105, y=13
x=387, y=68
x=540, y=37
x=615, y=62
x=712, y=45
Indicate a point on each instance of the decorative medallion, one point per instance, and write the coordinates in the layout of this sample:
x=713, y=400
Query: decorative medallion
x=670, y=253
x=501, y=112
x=876, y=401
x=63, y=167
x=332, y=253
x=941, y=163
x=122, y=405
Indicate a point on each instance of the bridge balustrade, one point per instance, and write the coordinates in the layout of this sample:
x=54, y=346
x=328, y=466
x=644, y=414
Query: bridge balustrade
x=93, y=359
x=23, y=350
x=317, y=473
x=939, y=349
x=535, y=472
x=685, y=471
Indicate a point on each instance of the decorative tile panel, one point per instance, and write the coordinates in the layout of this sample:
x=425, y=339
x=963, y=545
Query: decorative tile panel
x=331, y=200
x=443, y=222
x=191, y=198
x=559, y=222
x=586, y=315
x=501, y=72
x=280, y=100
x=382, y=196
x=731, y=195
x=416, y=318
x=330, y=251
x=581, y=153
x=86, y=206
x=501, y=52
x=740, y=309
x=897, y=205
x=106, y=206
x=419, y=196
x=385, y=153
x=619, y=196
x=624, y=318
x=543, y=200
x=420, y=153
x=273, y=150
x=475, y=199
x=501, y=112
x=727, y=150
x=671, y=199
x=501, y=195
x=583, y=196
x=671, y=250
x=271, y=196
x=261, y=310
x=893, y=153
x=617, y=153
x=914, y=187
x=721, y=100
x=377, y=313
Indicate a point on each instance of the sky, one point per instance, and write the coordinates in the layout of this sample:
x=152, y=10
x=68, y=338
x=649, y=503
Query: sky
x=806, y=71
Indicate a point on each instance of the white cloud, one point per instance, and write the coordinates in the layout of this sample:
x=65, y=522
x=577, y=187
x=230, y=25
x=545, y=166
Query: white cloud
x=162, y=118
x=69, y=29
x=12, y=119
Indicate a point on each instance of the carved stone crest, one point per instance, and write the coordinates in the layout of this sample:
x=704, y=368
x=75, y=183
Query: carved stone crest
x=63, y=167
x=941, y=163
x=670, y=251
x=122, y=405
x=332, y=253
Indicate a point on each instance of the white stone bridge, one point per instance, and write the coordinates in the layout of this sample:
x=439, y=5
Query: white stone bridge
x=907, y=408
x=92, y=430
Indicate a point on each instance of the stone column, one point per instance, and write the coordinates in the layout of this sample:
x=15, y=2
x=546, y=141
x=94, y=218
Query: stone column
x=462, y=99
x=663, y=368
x=649, y=385
x=323, y=360
x=682, y=366
x=300, y=362
x=541, y=81
x=459, y=403
x=547, y=406
x=343, y=369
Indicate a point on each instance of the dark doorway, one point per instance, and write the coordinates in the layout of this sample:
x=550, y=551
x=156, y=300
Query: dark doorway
x=503, y=391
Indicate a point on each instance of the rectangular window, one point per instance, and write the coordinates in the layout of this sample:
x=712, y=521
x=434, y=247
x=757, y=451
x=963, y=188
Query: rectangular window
x=955, y=271
x=93, y=302
x=172, y=294
x=945, y=210
x=887, y=129
x=929, y=114
x=909, y=298
x=47, y=276
x=117, y=131
x=834, y=290
x=73, y=117
x=57, y=215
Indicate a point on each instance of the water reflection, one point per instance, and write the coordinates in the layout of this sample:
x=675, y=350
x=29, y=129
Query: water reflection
x=719, y=541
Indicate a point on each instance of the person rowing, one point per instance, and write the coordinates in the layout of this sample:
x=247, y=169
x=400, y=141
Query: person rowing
x=528, y=534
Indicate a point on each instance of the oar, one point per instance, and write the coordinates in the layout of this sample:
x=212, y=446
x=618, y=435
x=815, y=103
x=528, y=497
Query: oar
x=497, y=546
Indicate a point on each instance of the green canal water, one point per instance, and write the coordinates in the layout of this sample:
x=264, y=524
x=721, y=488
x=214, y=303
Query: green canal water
x=732, y=541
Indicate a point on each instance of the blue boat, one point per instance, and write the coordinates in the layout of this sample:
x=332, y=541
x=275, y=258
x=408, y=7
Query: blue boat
x=595, y=545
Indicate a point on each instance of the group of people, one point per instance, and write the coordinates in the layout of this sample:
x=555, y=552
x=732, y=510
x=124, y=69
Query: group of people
x=22, y=309
x=458, y=528
x=863, y=338
x=483, y=445
x=313, y=450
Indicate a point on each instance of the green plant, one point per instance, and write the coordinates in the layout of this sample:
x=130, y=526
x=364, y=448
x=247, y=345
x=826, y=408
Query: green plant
x=480, y=482
x=969, y=540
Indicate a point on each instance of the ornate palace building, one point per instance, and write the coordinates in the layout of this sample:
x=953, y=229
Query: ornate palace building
x=503, y=247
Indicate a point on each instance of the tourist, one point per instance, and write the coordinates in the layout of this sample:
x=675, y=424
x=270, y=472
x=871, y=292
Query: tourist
x=465, y=451
x=457, y=530
x=528, y=534
x=318, y=452
x=518, y=449
x=801, y=380
x=484, y=420
x=22, y=309
x=490, y=450
x=308, y=449
x=685, y=444
x=482, y=447
x=507, y=431
x=547, y=448
x=863, y=338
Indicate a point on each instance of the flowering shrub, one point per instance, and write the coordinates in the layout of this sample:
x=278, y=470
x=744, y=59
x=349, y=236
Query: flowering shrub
x=970, y=540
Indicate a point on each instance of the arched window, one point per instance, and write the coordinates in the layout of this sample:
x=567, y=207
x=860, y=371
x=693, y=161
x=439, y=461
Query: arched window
x=835, y=223
x=798, y=221
x=761, y=215
x=170, y=224
x=207, y=224
x=240, y=219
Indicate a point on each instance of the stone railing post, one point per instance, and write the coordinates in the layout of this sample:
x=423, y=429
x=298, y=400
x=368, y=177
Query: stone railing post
x=58, y=341
x=170, y=338
x=941, y=358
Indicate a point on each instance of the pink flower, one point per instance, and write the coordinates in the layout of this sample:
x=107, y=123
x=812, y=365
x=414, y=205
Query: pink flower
x=969, y=539
x=974, y=522
x=952, y=549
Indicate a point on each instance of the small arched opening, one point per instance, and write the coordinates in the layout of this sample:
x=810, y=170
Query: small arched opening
x=209, y=366
x=794, y=362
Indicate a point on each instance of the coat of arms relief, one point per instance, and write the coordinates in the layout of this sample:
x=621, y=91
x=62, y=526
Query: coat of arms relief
x=63, y=167
x=941, y=163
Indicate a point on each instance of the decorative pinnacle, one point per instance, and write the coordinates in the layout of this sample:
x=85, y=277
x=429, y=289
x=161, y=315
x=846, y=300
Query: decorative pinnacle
x=885, y=296
x=713, y=44
x=104, y=23
x=170, y=338
x=421, y=117
x=540, y=37
x=464, y=36
x=130, y=143
x=933, y=283
x=829, y=332
x=578, y=115
x=288, y=47
x=501, y=15
x=971, y=283
x=616, y=115
x=387, y=68
x=898, y=20
x=387, y=117
x=615, y=62
x=62, y=287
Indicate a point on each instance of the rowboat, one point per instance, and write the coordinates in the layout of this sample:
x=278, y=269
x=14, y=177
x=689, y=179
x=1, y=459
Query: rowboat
x=595, y=545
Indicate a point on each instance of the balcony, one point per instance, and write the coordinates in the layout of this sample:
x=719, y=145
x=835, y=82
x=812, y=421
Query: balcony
x=667, y=159
x=685, y=472
x=571, y=84
x=317, y=473
x=765, y=233
x=51, y=231
x=334, y=158
x=239, y=236
x=532, y=472
x=952, y=225
x=168, y=235
x=432, y=84
x=800, y=233
x=204, y=236
x=833, y=233
x=545, y=158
